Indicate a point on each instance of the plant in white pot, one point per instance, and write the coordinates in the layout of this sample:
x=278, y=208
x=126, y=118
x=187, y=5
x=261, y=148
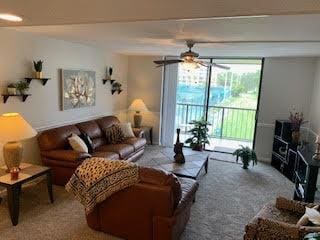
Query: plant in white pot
x=22, y=87
x=12, y=89
x=199, y=134
x=247, y=155
x=38, y=68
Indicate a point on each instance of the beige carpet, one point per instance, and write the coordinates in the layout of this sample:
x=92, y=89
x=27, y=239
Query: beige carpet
x=227, y=198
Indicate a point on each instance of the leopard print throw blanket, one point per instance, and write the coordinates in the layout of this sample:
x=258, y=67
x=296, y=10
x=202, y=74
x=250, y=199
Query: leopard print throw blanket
x=96, y=179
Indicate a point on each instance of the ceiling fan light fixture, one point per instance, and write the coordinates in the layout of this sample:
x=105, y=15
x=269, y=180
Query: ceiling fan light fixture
x=10, y=17
x=190, y=66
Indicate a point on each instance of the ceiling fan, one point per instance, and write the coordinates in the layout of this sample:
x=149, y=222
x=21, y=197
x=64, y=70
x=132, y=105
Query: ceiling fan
x=189, y=57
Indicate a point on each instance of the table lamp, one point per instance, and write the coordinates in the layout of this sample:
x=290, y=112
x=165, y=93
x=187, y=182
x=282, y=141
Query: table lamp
x=13, y=129
x=138, y=106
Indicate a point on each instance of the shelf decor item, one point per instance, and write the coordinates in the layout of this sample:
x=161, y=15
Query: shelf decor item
x=78, y=89
x=12, y=89
x=138, y=106
x=38, y=68
x=296, y=120
x=13, y=129
x=247, y=155
x=199, y=134
x=22, y=87
x=116, y=87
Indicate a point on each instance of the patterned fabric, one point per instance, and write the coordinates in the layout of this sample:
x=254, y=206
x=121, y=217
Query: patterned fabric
x=278, y=221
x=98, y=178
x=114, y=134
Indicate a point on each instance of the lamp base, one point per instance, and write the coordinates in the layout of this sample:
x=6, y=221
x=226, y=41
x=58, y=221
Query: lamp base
x=137, y=118
x=12, y=154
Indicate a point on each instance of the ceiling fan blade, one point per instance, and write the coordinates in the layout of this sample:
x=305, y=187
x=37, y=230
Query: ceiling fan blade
x=256, y=41
x=220, y=66
x=168, y=61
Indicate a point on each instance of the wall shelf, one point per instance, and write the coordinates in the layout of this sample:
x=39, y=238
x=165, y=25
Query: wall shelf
x=114, y=91
x=44, y=80
x=23, y=97
x=104, y=81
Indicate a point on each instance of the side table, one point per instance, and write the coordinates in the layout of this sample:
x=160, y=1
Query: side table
x=27, y=173
x=149, y=131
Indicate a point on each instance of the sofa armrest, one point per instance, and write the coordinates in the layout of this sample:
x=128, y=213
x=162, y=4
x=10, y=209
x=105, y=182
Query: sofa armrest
x=65, y=155
x=278, y=230
x=139, y=133
x=293, y=205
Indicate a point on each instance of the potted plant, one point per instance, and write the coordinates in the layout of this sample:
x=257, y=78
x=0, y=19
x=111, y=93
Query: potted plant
x=22, y=87
x=116, y=87
x=296, y=120
x=38, y=68
x=312, y=236
x=12, y=89
x=247, y=155
x=199, y=134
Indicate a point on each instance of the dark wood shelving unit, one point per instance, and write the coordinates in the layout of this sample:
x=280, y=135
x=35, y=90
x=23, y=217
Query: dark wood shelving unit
x=104, y=81
x=44, y=80
x=114, y=91
x=23, y=97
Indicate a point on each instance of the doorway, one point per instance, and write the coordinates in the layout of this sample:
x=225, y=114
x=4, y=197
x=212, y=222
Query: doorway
x=227, y=99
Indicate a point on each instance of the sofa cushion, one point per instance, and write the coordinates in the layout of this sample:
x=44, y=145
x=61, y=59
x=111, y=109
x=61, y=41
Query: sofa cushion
x=92, y=129
x=107, y=155
x=188, y=190
x=107, y=122
x=114, y=134
x=56, y=138
x=137, y=143
x=123, y=150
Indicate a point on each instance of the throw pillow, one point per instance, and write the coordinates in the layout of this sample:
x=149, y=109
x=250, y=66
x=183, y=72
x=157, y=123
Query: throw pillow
x=77, y=143
x=87, y=140
x=114, y=134
x=126, y=129
x=304, y=220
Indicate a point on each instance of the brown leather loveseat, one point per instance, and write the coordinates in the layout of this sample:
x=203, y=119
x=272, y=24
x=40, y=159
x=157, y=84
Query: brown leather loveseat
x=156, y=208
x=57, y=154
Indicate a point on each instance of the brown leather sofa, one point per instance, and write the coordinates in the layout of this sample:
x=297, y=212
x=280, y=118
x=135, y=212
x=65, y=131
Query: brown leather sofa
x=57, y=154
x=156, y=208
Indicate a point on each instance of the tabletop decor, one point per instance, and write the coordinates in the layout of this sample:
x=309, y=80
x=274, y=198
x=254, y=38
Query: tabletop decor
x=13, y=129
x=22, y=87
x=296, y=120
x=178, y=147
x=247, y=155
x=199, y=134
x=138, y=106
x=78, y=89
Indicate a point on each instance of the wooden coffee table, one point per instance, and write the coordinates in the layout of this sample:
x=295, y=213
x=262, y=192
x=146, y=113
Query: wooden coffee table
x=27, y=173
x=190, y=169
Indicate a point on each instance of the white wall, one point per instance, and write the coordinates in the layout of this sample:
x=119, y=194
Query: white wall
x=315, y=102
x=42, y=109
x=286, y=82
x=145, y=82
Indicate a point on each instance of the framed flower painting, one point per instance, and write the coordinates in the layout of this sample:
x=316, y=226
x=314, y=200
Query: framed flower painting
x=78, y=89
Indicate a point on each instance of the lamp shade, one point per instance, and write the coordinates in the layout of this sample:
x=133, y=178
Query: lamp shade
x=138, y=106
x=14, y=128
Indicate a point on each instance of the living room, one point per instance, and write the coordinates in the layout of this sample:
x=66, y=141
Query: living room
x=121, y=58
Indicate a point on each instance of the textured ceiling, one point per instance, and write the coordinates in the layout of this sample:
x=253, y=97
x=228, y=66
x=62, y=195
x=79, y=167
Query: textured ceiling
x=56, y=12
x=167, y=37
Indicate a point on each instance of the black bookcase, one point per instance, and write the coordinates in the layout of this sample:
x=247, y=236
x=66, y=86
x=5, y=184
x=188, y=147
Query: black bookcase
x=284, y=152
x=306, y=174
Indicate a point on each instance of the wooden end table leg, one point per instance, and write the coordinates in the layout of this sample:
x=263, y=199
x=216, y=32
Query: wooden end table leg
x=49, y=186
x=13, y=202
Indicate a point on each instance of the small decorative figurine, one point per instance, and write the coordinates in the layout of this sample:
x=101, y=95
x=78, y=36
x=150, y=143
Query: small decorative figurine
x=178, y=157
x=316, y=155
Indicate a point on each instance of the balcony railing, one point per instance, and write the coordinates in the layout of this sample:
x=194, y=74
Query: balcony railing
x=225, y=122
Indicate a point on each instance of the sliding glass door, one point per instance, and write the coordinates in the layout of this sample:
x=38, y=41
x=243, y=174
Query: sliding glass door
x=227, y=99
